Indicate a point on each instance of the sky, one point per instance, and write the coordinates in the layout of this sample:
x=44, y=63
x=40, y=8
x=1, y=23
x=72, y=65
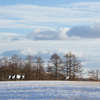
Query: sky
x=42, y=28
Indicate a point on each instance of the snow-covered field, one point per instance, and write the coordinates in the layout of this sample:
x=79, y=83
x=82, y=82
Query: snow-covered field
x=68, y=90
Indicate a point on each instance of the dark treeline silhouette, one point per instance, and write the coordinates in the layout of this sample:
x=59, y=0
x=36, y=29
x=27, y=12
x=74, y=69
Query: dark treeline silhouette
x=35, y=68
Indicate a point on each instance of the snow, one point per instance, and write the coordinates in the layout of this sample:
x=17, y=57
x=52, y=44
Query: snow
x=74, y=90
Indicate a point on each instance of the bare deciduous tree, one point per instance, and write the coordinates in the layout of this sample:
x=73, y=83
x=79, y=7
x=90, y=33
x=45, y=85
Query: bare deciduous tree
x=39, y=64
x=5, y=62
x=56, y=62
x=72, y=66
x=29, y=61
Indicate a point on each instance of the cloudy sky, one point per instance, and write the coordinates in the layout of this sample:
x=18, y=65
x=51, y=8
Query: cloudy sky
x=41, y=27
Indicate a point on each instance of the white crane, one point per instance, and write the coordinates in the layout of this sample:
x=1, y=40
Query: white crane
x=67, y=77
x=23, y=76
x=9, y=77
x=18, y=76
x=13, y=77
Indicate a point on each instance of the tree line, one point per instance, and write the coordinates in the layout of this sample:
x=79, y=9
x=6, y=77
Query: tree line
x=35, y=68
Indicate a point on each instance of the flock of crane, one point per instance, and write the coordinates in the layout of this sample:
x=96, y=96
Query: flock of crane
x=23, y=76
x=16, y=76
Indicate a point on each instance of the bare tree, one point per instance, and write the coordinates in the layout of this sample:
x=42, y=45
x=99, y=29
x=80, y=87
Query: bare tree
x=14, y=64
x=56, y=62
x=20, y=65
x=50, y=71
x=66, y=64
x=72, y=66
x=29, y=61
x=39, y=63
x=5, y=61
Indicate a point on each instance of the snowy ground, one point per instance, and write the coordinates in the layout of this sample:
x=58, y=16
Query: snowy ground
x=50, y=90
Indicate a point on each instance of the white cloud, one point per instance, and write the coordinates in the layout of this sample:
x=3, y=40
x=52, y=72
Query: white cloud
x=28, y=52
x=19, y=24
x=92, y=31
x=31, y=16
x=48, y=34
x=74, y=33
x=92, y=6
x=45, y=53
x=96, y=25
x=11, y=36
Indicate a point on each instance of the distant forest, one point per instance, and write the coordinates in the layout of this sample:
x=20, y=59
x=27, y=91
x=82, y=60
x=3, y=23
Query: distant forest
x=34, y=68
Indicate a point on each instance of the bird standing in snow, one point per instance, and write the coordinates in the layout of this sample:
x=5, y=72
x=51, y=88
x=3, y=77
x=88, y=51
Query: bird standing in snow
x=13, y=77
x=18, y=76
x=67, y=77
x=23, y=76
x=9, y=77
